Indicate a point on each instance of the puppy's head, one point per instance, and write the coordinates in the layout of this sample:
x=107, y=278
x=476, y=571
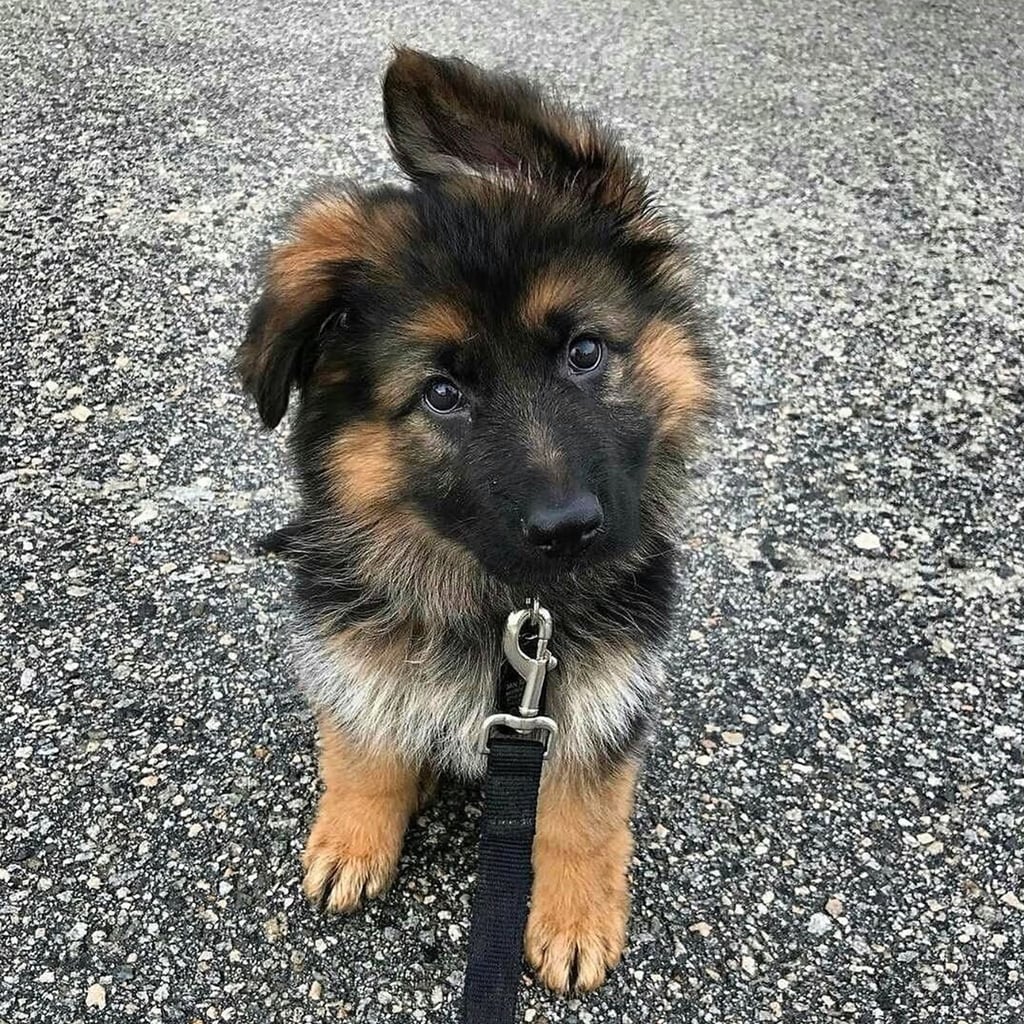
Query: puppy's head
x=505, y=363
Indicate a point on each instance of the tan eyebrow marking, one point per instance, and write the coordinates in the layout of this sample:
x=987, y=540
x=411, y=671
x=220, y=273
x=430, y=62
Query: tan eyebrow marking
x=553, y=289
x=437, y=323
x=594, y=293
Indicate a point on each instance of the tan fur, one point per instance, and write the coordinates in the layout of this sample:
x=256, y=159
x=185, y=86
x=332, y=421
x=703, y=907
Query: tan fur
x=395, y=545
x=670, y=372
x=327, y=230
x=577, y=925
x=365, y=469
x=352, y=852
x=553, y=289
x=330, y=229
x=438, y=323
x=595, y=291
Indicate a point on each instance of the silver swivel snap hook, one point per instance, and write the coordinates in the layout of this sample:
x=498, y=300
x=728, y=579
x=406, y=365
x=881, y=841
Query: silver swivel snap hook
x=533, y=670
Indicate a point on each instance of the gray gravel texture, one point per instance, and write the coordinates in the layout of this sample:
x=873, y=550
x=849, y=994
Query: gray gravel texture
x=831, y=824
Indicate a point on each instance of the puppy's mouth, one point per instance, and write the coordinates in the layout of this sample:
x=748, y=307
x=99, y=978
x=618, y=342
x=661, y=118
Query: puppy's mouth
x=532, y=565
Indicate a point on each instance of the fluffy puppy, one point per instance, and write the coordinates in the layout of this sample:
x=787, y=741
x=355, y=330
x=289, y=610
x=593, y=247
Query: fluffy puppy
x=501, y=372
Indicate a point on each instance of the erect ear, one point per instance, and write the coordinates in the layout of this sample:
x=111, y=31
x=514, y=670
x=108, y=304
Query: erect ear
x=332, y=236
x=446, y=116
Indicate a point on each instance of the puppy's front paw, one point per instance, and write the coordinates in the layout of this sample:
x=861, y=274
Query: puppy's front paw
x=352, y=852
x=572, y=944
x=577, y=925
x=349, y=861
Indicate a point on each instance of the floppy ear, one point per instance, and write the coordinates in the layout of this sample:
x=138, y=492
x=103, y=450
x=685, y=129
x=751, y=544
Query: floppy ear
x=446, y=116
x=304, y=290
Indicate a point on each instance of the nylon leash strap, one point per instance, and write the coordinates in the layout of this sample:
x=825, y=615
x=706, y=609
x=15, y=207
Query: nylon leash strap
x=516, y=746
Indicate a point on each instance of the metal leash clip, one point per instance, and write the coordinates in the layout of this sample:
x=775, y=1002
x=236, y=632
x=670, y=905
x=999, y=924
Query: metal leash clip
x=533, y=671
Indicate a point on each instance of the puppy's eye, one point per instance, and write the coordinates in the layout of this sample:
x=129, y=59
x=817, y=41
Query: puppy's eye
x=584, y=353
x=442, y=396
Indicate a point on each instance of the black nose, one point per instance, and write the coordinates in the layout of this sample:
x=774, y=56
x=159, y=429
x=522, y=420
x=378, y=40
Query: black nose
x=567, y=527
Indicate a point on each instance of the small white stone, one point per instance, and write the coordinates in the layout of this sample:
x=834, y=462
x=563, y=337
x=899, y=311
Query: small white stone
x=316, y=991
x=145, y=515
x=748, y=965
x=819, y=924
x=1011, y=900
x=96, y=996
x=702, y=928
x=867, y=541
x=80, y=413
x=150, y=781
x=834, y=906
x=843, y=753
x=925, y=838
x=734, y=739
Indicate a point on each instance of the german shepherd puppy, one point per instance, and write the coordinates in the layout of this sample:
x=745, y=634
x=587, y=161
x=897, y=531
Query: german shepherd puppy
x=502, y=371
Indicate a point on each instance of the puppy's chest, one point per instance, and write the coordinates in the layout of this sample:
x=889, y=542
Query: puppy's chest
x=427, y=703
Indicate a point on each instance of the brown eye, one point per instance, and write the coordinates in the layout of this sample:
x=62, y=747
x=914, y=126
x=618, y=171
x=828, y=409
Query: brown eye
x=442, y=396
x=584, y=353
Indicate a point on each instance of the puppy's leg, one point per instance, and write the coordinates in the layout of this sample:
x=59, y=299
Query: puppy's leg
x=577, y=924
x=353, y=849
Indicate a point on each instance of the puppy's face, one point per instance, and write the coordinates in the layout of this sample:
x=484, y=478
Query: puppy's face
x=503, y=364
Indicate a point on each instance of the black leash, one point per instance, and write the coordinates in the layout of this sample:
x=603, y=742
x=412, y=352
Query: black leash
x=516, y=745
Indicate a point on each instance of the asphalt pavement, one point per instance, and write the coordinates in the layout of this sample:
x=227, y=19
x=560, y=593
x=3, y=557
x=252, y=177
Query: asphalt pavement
x=831, y=826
